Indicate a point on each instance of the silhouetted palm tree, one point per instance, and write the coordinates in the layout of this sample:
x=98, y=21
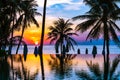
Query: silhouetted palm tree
x=13, y=11
x=40, y=49
x=62, y=34
x=27, y=16
x=101, y=20
x=4, y=23
x=95, y=73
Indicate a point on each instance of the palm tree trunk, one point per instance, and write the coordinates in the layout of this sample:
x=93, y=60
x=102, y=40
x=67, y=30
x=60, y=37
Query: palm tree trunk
x=106, y=38
x=20, y=39
x=23, y=69
x=10, y=49
x=107, y=60
x=42, y=40
x=103, y=52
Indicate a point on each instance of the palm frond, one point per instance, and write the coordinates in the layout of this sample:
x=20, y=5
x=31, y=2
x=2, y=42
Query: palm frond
x=94, y=27
x=71, y=34
x=67, y=30
x=71, y=39
x=52, y=40
x=57, y=44
x=81, y=17
x=114, y=35
x=85, y=25
x=34, y=21
x=96, y=33
x=114, y=66
x=115, y=26
x=84, y=75
x=94, y=68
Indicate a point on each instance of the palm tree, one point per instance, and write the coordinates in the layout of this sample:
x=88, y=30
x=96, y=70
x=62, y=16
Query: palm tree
x=97, y=74
x=101, y=20
x=40, y=51
x=4, y=23
x=62, y=34
x=27, y=16
x=14, y=8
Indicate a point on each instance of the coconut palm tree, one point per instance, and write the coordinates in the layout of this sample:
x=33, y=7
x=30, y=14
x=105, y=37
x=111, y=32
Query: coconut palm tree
x=14, y=9
x=40, y=50
x=27, y=16
x=97, y=74
x=101, y=20
x=61, y=33
x=4, y=23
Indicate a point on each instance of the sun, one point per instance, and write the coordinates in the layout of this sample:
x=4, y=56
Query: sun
x=36, y=42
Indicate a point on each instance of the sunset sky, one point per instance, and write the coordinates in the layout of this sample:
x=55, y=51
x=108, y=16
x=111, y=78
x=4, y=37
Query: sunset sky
x=55, y=9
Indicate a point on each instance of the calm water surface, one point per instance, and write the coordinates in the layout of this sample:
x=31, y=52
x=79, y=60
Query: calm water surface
x=49, y=49
x=30, y=69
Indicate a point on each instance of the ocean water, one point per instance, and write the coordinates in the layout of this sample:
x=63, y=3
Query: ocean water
x=49, y=49
x=53, y=70
x=19, y=69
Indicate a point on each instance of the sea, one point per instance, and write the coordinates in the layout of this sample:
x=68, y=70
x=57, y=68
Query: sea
x=50, y=49
x=74, y=67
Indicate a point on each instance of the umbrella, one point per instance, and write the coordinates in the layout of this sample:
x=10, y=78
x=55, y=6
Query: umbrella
x=25, y=51
x=94, y=51
x=86, y=51
x=78, y=51
x=35, y=51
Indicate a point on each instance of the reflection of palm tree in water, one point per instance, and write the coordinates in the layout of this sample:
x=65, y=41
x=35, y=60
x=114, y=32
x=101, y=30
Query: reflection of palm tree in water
x=61, y=66
x=22, y=72
x=4, y=69
x=97, y=74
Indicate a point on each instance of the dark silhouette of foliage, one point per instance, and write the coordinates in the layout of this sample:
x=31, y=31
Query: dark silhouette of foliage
x=61, y=33
x=100, y=19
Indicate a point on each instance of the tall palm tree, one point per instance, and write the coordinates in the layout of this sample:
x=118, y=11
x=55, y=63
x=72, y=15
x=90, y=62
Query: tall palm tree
x=4, y=23
x=14, y=7
x=42, y=39
x=62, y=34
x=27, y=16
x=101, y=20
